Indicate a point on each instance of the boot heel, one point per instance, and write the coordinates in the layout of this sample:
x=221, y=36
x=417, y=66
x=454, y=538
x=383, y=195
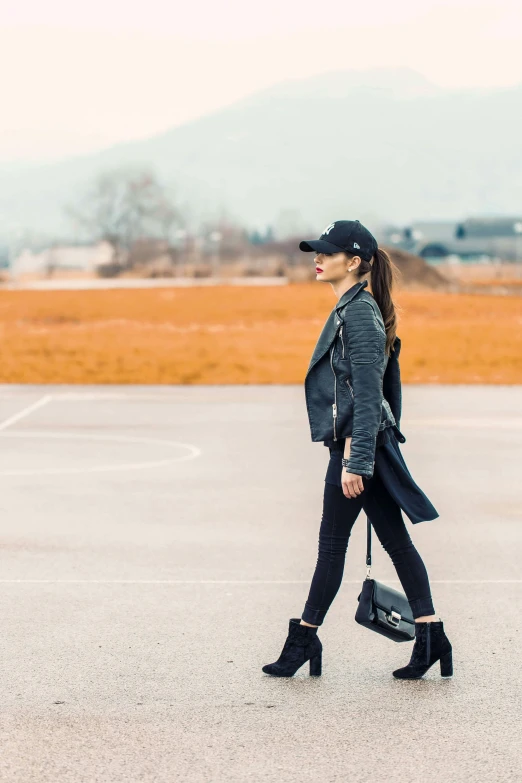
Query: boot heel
x=316, y=665
x=446, y=665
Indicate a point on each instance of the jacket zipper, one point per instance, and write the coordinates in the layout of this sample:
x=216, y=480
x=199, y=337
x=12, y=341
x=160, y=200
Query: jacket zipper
x=342, y=340
x=334, y=406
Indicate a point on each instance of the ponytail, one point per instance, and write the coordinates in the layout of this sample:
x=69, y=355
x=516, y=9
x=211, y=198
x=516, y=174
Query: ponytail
x=384, y=274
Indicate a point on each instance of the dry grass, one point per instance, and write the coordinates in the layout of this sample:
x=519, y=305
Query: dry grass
x=228, y=335
x=496, y=281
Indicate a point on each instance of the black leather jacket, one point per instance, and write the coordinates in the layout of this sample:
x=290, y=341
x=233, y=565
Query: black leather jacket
x=352, y=388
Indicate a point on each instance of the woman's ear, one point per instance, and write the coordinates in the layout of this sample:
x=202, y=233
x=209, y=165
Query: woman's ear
x=354, y=262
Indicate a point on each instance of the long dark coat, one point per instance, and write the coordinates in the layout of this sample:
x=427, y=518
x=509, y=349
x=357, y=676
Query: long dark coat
x=399, y=482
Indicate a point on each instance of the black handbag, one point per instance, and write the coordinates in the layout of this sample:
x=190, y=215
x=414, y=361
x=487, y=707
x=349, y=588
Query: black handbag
x=381, y=608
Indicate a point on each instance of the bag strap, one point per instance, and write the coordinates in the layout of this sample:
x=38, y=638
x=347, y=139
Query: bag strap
x=368, y=547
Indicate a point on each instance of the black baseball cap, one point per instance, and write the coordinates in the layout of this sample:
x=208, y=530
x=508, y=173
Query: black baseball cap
x=343, y=235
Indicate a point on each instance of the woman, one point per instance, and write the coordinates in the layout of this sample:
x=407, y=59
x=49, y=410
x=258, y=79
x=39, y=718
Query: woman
x=353, y=400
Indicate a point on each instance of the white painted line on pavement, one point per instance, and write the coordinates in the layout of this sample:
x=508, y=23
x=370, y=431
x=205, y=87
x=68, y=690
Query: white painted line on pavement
x=194, y=452
x=86, y=396
x=464, y=423
x=92, y=436
x=240, y=581
x=25, y=412
x=503, y=423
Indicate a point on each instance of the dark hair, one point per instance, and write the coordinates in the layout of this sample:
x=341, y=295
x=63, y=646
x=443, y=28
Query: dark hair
x=384, y=274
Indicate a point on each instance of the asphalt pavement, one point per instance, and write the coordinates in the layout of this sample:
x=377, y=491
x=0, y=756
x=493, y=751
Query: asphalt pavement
x=155, y=541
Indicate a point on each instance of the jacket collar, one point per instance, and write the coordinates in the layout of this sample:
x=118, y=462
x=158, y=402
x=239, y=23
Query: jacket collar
x=329, y=332
x=349, y=295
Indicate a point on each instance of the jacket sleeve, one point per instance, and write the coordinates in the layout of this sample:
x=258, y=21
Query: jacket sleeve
x=391, y=384
x=366, y=344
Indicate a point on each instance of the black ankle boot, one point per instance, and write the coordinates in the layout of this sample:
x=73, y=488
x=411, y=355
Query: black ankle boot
x=431, y=645
x=302, y=644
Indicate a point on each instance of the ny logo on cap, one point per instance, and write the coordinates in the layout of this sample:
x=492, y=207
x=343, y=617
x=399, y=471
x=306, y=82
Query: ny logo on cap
x=329, y=228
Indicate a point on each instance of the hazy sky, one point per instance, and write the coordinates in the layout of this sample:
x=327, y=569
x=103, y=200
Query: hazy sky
x=77, y=77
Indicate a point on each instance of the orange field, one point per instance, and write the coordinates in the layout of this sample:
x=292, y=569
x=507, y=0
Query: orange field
x=229, y=334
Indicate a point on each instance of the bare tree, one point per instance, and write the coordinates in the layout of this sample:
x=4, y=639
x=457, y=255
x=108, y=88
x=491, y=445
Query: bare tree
x=124, y=205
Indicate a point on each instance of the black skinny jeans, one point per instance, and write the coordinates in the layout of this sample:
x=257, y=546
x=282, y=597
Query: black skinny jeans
x=339, y=516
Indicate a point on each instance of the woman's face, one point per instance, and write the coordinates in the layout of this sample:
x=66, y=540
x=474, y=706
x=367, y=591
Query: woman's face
x=333, y=267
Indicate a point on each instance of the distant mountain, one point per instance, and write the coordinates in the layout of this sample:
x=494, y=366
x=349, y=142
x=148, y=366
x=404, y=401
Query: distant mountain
x=380, y=145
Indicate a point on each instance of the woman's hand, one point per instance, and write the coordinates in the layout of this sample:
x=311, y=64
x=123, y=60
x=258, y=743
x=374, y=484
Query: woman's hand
x=352, y=484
